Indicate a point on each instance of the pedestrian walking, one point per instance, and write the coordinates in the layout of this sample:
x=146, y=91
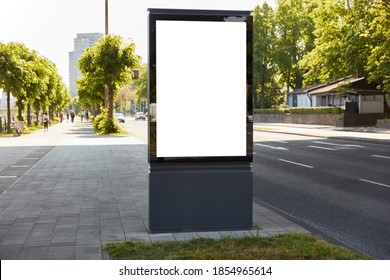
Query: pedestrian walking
x=81, y=116
x=61, y=116
x=67, y=116
x=72, y=115
x=45, y=120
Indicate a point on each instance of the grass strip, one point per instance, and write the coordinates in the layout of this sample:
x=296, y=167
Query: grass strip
x=279, y=247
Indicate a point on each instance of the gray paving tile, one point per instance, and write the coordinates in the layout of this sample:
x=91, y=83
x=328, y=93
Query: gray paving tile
x=209, y=234
x=184, y=236
x=61, y=253
x=9, y=252
x=138, y=236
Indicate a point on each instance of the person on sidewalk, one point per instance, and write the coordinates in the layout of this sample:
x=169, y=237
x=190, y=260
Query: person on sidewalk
x=72, y=115
x=61, y=116
x=45, y=122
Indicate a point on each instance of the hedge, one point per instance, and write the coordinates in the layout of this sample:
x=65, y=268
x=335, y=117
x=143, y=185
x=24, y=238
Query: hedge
x=316, y=110
x=271, y=111
x=301, y=110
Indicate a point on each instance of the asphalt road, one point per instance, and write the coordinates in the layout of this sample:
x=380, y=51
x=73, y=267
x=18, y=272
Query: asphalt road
x=340, y=188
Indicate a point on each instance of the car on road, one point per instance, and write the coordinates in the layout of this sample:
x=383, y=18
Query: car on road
x=139, y=116
x=120, y=117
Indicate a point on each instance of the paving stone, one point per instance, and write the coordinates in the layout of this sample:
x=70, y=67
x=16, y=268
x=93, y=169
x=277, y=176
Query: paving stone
x=9, y=252
x=81, y=197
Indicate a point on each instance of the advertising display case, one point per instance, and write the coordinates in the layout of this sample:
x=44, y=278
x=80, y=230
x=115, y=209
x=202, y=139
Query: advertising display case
x=200, y=119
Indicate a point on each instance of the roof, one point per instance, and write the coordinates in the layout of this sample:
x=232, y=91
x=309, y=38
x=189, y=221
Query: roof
x=355, y=85
x=335, y=85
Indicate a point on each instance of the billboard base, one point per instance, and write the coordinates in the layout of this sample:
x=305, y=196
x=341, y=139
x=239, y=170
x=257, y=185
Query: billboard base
x=187, y=197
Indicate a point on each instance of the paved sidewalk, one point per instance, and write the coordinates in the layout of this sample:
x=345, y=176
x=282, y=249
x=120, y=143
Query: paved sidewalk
x=66, y=193
x=351, y=133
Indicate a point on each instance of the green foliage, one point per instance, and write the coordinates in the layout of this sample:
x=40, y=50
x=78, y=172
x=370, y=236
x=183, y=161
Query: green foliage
x=294, y=40
x=264, y=64
x=378, y=64
x=141, y=84
x=31, y=78
x=103, y=125
x=352, y=38
x=107, y=65
x=271, y=111
x=280, y=247
x=302, y=42
x=301, y=110
x=316, y=110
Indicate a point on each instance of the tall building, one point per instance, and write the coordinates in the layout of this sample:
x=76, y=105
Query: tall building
x=81, y=42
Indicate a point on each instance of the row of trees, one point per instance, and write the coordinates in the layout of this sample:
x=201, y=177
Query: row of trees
x=301, y=42
x=32, y=79
x=105, y=68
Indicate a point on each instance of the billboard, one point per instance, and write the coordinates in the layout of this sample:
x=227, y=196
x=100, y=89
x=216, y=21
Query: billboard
x=200, y=87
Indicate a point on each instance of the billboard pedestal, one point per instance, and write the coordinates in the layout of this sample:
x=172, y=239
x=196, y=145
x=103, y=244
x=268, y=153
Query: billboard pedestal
x=200, y=69
x=197, y=197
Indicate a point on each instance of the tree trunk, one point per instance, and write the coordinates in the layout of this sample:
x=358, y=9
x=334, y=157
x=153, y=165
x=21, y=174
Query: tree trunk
x=262, y=95
x=110, y=102
x=8, y=112
x=28, y=114
x=20, y=111
x=106, y=101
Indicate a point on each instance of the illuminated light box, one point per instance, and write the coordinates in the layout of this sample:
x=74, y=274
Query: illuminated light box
x=200, y=102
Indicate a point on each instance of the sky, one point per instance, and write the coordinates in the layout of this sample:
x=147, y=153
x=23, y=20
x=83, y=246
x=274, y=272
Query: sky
x=50, y=26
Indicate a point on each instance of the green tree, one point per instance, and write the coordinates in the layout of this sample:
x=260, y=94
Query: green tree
x=264, y=64
x=90, y=93
x=378, y=62
x=14, y=71
x=293, y=40
x=141, y=85
x=124, y=97
x=343, y=40
x=31, y=78
x=109, y=62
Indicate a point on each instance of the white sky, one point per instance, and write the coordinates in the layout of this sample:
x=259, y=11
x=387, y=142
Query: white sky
x=49, y=26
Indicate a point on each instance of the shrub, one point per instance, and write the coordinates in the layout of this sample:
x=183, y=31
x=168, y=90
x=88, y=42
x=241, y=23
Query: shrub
x=271, y=111
x=102, y=124
x=316, y=110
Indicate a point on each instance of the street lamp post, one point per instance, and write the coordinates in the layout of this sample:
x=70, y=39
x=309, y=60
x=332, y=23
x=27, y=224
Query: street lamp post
x=106, y=33
x=106, y=17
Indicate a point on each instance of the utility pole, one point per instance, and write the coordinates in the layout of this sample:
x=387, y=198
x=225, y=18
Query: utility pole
x=106, y=17
x=106, y=33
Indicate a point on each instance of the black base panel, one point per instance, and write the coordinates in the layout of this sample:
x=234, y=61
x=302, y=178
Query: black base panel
x=184, y=200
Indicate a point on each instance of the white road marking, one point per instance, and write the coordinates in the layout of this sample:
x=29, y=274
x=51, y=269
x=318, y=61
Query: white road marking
x=375, y=183
x=322, y=148
x=272, y=147
x=296, y=163
x=340, y=145
x=5, y=177
x=20, y=166
x=379, y=156
x=284, y=142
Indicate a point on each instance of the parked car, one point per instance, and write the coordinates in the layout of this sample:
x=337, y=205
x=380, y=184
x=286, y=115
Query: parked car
x=139, y=116
x=120, y=117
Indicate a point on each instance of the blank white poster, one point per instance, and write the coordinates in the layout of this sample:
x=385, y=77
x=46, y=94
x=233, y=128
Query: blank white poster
x=201, y=88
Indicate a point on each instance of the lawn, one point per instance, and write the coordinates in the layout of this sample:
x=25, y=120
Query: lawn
x=279, y=247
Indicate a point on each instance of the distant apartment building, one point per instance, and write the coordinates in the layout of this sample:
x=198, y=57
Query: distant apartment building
x=81, y=42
